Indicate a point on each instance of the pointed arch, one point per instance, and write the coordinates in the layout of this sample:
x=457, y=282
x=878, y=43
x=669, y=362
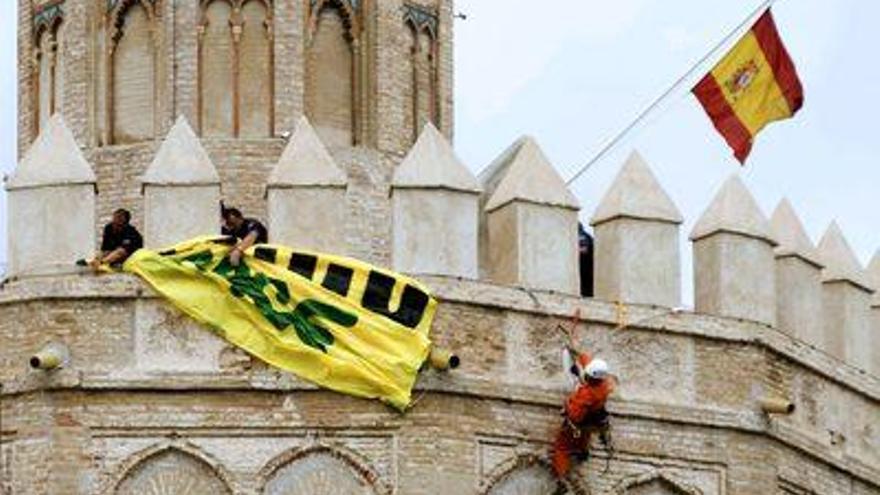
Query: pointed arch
x=215, y=69
x=528, y=474
x=132, y=87
x=236, y=68
x=653, y=483
x=256, y=58
x=48, y=75
x=170, y=468
x=422, y=96
x=332, y=75
x=349, y=10
x=320, y=470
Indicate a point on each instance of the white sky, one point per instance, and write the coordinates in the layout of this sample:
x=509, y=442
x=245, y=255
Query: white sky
x=574, y=72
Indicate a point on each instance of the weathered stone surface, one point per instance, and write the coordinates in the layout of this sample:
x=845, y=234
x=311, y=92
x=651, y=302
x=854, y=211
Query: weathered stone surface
x=874, y=273
x=846, y=301
x=790, y=235
x=798, y=278
x=181, y=190
x=733, y=210
x=528, y=222
x=432, y=163
x=137, y=390
x=306, y=162
x=734, y=273
x=52, y=180
x=523, y=173
x=306, y=194
x=54, y=159
x=839, y=260
x=636, y=240
x=635, y=193
x=435, y=201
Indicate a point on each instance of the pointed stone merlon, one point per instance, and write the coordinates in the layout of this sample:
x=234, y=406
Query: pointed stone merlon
x=874, y=275
x=734, y=265
x=798, y=278
x=181, y=190
x=846, y=295
x=529, y=224
x=636, y=229
x=306, y=195
x=435, y=201
x=51, y=198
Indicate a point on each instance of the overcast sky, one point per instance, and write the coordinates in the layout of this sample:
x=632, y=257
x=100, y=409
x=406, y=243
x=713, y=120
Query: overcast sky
x=574, y=72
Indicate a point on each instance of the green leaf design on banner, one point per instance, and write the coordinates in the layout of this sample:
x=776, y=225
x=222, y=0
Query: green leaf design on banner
x=244, y=283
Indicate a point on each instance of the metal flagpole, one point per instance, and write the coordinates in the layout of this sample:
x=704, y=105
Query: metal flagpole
x=650, y=108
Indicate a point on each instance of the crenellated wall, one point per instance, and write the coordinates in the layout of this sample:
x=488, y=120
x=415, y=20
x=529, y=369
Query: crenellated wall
x=331, y=120
x=149, y=398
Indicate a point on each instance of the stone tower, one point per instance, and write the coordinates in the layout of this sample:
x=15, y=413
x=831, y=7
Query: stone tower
x=367, y=74
x=332, y=120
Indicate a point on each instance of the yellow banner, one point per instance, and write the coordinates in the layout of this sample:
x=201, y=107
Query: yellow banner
x=338, y=322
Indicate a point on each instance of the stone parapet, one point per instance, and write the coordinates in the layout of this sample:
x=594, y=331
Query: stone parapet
x=636, y=229
x=734, y=271
x=676, y=379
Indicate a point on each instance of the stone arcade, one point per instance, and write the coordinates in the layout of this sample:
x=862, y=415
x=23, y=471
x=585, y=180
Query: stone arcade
x=161, y=106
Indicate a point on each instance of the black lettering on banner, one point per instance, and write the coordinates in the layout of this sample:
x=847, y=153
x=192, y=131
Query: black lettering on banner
x=338, y=279
x=377, y=298
x=266, y=254
x=303, y=264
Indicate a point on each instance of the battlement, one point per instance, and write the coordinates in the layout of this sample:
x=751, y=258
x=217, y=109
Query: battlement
x=332, y=121
x=516, y=225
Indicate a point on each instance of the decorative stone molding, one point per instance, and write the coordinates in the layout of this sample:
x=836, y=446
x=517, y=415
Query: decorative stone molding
x=494, y=484
x=47, y=16
x=359, y=467
x=350, y=13
x=421, y=18
x=139, y=459
x=674, y=486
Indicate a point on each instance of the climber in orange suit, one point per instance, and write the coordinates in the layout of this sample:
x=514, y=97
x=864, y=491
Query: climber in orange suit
x=584, y=411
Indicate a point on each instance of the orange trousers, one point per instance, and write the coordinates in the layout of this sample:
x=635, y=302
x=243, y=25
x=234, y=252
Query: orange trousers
x=569, y=443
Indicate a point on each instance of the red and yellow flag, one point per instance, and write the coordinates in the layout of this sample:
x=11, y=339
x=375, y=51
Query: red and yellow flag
x=754, y=84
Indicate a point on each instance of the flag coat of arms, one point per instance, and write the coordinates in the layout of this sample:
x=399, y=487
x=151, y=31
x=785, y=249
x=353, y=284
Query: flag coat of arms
x=753, y=85
x=335, y=321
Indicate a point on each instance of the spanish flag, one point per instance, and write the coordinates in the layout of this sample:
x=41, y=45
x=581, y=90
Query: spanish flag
x=754, y=84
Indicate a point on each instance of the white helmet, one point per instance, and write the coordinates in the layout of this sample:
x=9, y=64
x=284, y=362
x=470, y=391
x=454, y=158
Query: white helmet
x=597, y=369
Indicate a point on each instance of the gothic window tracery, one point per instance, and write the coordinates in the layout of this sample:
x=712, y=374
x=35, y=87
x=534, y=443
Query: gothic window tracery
x=131, y=96
x=333, y=78
x=421, y=95
x=236, y=68
x=48, y=79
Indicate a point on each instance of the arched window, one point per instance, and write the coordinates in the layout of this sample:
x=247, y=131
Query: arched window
x=170, y=472
x=255, y=89
x=48, y=63
x=529, y=474
x=216, y=74
x=319, y=472
x=421, y=104
x=653, y=484
x=331, y=82
x=132, y=71
x=529, y=480
x=236, y=68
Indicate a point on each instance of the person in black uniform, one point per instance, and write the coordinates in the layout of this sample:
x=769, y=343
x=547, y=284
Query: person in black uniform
x=248, y=231
x=585, y=259
x=119, y=241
